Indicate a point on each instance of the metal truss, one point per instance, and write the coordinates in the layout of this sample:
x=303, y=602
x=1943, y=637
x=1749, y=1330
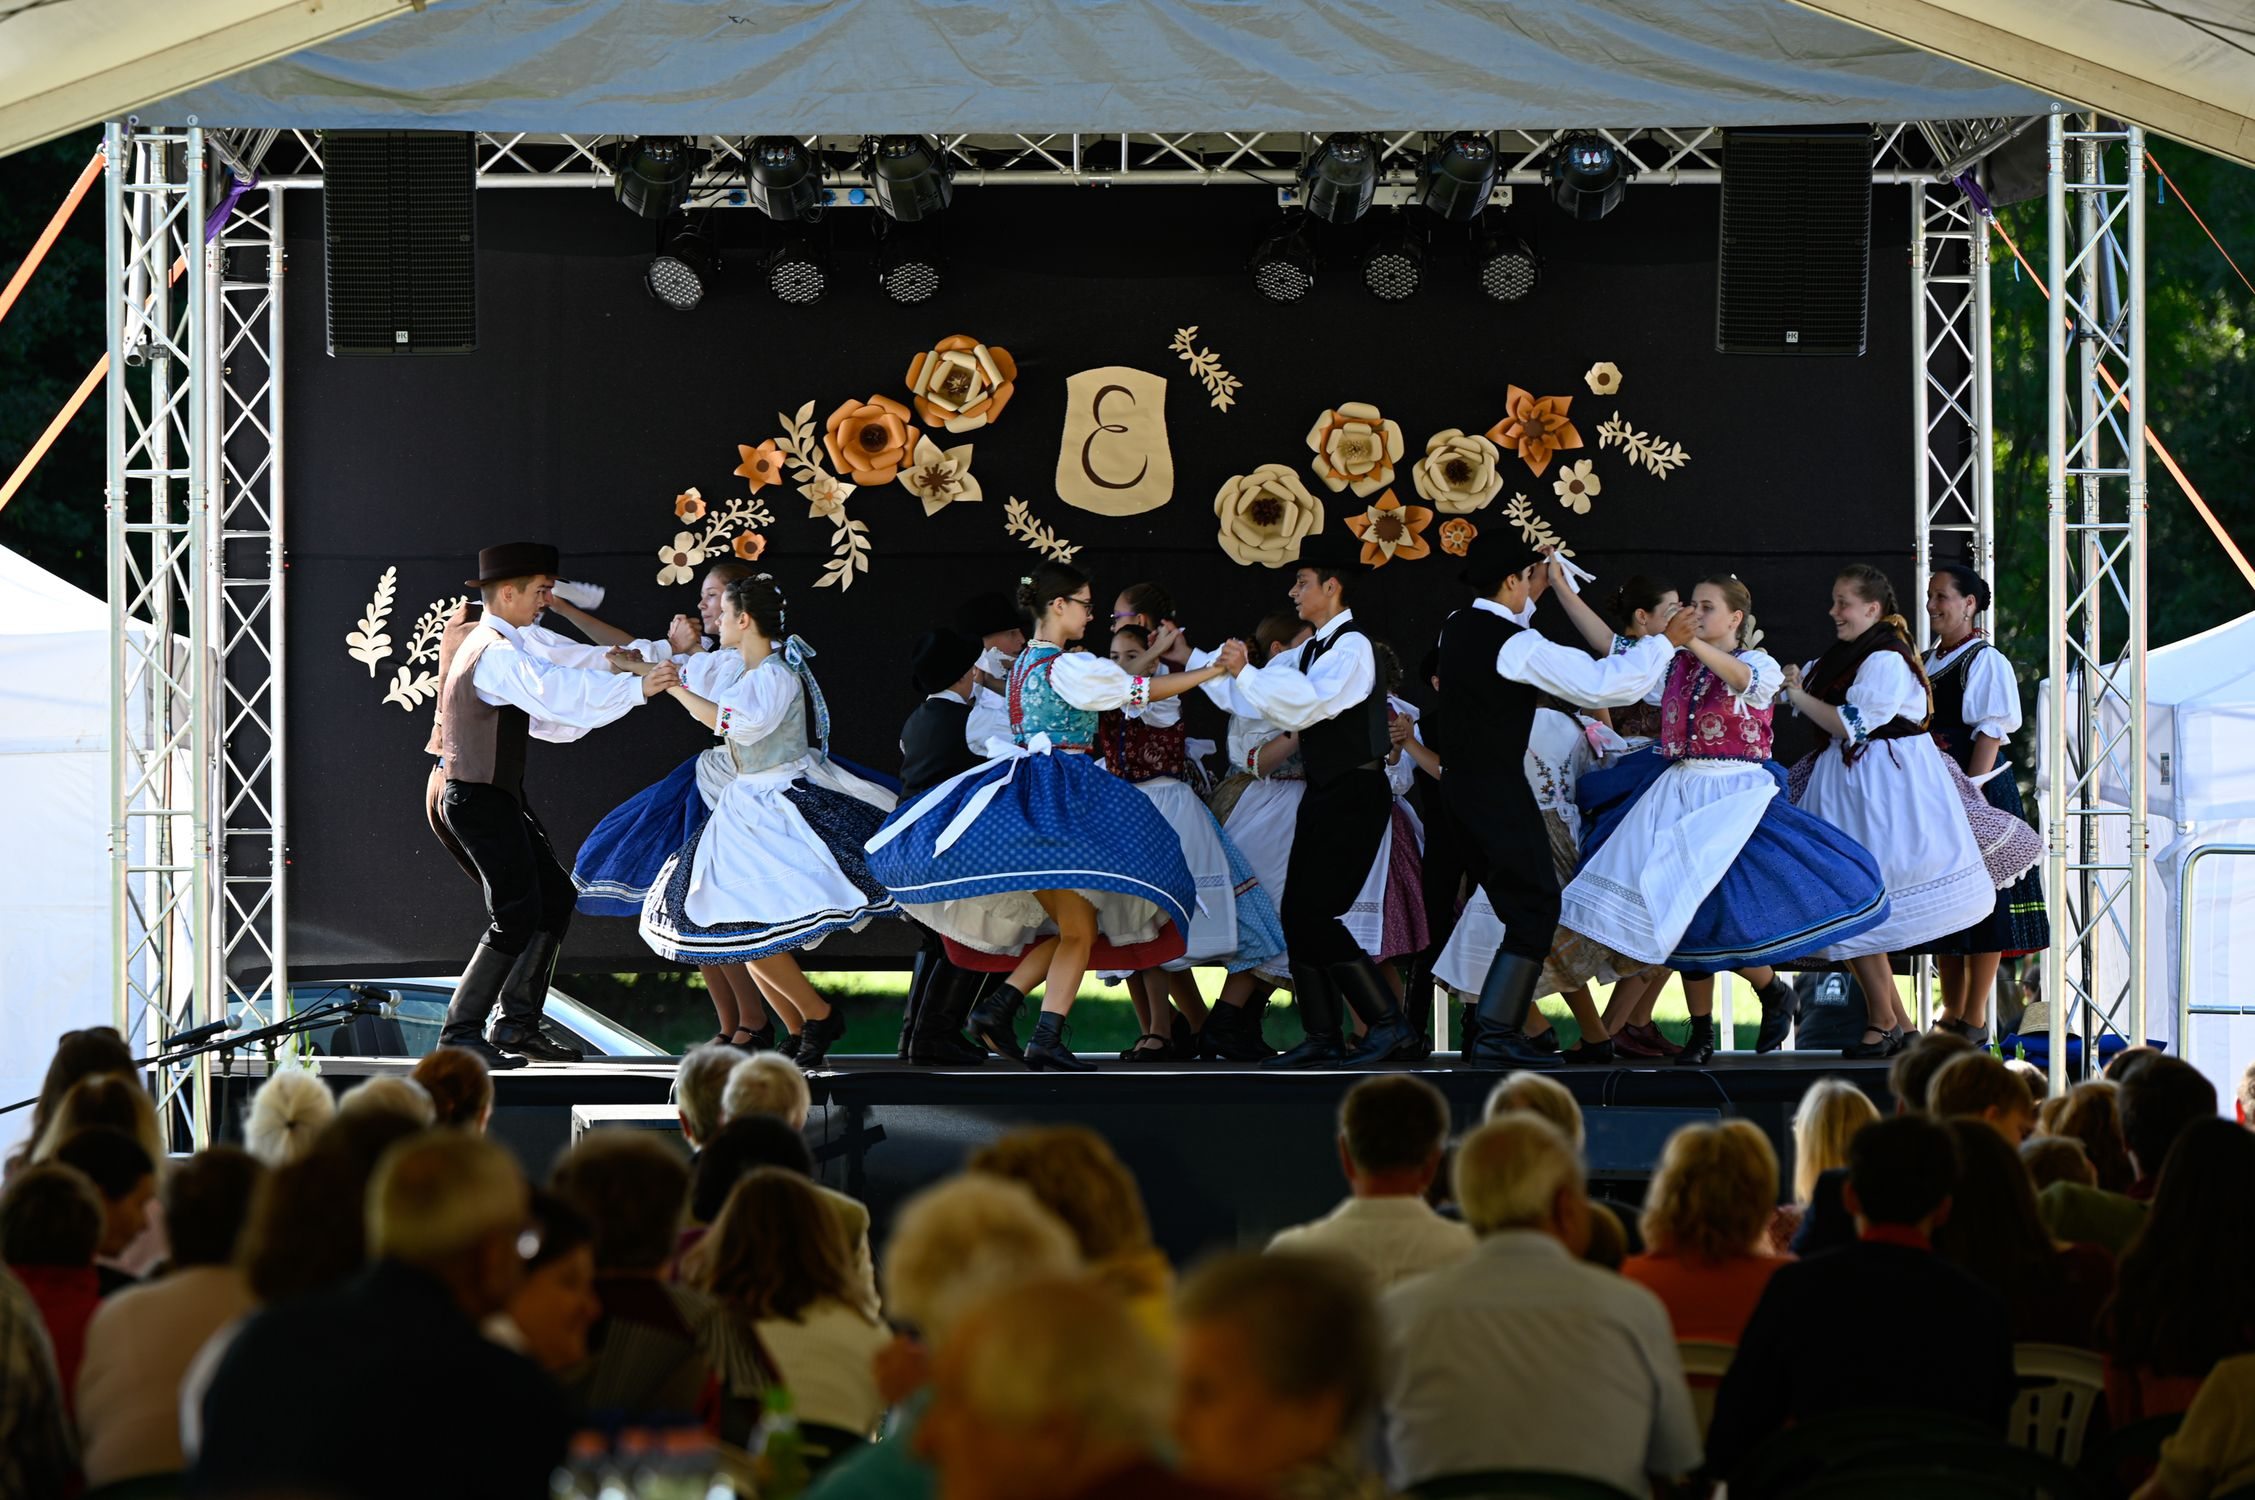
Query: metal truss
x=2096, y=393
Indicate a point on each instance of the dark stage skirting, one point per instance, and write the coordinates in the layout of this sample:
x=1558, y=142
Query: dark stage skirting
x=1225, y=1157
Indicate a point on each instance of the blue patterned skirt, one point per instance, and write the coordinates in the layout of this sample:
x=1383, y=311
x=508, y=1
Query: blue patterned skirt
x=620, y=860
x=1260, y=932
x=2021, y=922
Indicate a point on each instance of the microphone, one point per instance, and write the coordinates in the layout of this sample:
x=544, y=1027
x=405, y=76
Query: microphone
x=197, y=1035
x=375, y=1000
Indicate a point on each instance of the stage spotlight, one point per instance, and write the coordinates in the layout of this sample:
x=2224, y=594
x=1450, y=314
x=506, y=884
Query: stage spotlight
x=785, y=178
x=798, y=273
x=908, y=265
x=1394, y=264
x=1339, y=180
x=1284, y=265
x=1458, y=177
x=1587, y=176
x=651, y=174
x=907, y=176
x=1508, y=269
x=680, y=274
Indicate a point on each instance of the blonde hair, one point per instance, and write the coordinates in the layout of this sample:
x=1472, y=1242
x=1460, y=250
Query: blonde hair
x=698, y=1085
x=957, y=1242
x=1508, y=1173
x=287, y=1113
x=1064, y=1350
x=112, y=1100
x=1541, y=1095
x=1974, y=1083
x=767, y=1083
x=437, y=1194
x=390, y=1092
x=1831, y=1113
x=1074, y=1174
x=1713, y=1193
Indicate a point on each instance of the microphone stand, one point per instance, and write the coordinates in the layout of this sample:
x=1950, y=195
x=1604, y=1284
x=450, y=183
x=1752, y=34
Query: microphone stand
x=320, y=1017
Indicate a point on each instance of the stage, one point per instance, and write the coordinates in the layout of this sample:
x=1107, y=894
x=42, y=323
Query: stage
x=1225, y=1155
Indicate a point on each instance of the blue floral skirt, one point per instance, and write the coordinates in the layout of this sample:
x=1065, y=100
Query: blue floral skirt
x=620, y=860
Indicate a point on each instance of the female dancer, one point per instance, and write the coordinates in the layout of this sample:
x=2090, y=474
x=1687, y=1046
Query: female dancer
x=1976, y=708
x=1711, y=869
x=1883, y=781
x=1039, y=858
x=779, y=865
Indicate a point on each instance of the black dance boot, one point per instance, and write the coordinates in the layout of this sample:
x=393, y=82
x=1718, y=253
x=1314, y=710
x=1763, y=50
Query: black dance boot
x=1387, y=1036
x=994, y=1020
x=1049, y=1049
x=1255, y=1039
x=474, y=994
x=816, y=1038
x=1417, y=1007
x=921, y=970
x=1506, y=995
x=1320, y=1010
x=1778, y=1004
x=1698, y=1044
x=939, y=1041
x=1232, y=1034
x=523, y=994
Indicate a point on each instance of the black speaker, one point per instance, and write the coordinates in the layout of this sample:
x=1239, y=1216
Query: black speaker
x=399, y=216
x=1793, y=275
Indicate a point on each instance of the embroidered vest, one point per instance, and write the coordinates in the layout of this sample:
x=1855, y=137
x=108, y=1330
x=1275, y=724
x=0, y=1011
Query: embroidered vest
x=1036, y=708
x=1699, y=720
x=786, y=742
x=1489, y=716
x=481, y=741
x=1136, y=751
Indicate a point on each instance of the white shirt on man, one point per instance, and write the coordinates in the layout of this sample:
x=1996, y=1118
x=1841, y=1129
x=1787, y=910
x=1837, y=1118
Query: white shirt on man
x=1393, y=1237
x=564, y=702
x=1576, y=676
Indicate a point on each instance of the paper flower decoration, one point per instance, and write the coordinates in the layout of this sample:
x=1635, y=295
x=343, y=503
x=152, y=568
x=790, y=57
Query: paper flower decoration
x=1355, y=448
x=1266, y=515
x=1603, y=378
x=681, y=560
x=1458, y=472
x=1456, y=536
x=939, y=478
x=961, y=384
x=826, y=495
x=1390, y=530
x=1535, y=427
x=1576, y=486
x=870, y=439
x=749, y=545
x=689, y=506
x=762, y=466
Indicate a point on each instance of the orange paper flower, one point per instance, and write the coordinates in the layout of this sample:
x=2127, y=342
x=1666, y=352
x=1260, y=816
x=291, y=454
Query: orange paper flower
x=749, y=545
x=1390, y=529
x=762, y=466
x=961, y=384
x=689, y=506
x=1535, y=427
x=870, y=439
x=1456, y=536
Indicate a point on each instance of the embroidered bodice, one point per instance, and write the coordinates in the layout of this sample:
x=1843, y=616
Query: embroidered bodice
x=1060, y=693
x=763, y=716
x=1634, y=721
x=1137, y=750
x=1702, y=719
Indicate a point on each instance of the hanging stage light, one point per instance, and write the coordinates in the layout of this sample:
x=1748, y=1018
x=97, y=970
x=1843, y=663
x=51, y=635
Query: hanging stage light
x=681, y=272
x=1394, y=264
x=907, y=176
x=784, y=177
x=1458, y=177
x=1339, y=180
x=798, y=273
x=1508, y=270
x=1587, y=176
x=1284, y=265
x=651, y=173
x=908, y=263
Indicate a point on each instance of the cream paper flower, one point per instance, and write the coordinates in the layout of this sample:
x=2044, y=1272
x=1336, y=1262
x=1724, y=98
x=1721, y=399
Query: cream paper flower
x=825, y=495
x=1355, y=448
x=1603, y=378
x=680, y=560
x=939, y=478
x=1458, y=472
x=961, y=384
x=1576, y=486
x=1266, y=515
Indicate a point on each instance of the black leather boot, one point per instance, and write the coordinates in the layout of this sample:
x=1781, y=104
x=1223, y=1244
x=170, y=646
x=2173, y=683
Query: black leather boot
x=1320, y=1011
x=816, y=1038
x=1049, y=1049
x=1698, y=1044
x=1417, y=1007
x=1256, y=1028
x=921, y=971
x=1387, y=1036
x=1231, y=1035
x=1506, y=995
x=939, y=1041
x=788, y=1046
x=1778, y=1004
x=474, y=994
x=994, y=1020
x=523, y=994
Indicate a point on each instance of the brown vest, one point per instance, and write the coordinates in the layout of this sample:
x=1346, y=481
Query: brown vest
x=480, y=741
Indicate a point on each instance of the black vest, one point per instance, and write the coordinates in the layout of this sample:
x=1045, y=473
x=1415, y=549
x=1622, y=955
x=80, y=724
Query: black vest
x=1354, y=737
x=1950, y=730
x=1488, y=716
x=932, y=747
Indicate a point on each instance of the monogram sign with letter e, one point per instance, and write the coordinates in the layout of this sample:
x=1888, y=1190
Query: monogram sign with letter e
x=1114, y=459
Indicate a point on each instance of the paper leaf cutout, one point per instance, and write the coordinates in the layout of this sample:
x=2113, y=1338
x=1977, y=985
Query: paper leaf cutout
x=849, y=547
x=1206, y=365
x=430, y=627
x=1655, y=454
x=1020, y=523
x=369, y=644
x=1533, y=529
x=409, y=688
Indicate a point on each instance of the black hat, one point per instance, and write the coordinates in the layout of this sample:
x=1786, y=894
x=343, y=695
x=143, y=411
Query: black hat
x=515, y=560
x=941, y=656
x=987, y=614
x=1334, y=549
x=1486, y=566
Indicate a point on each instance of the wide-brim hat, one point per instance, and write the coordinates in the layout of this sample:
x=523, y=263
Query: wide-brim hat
x=1337, y=550
x=941, y=656
x=515, y=560
x=988, y=614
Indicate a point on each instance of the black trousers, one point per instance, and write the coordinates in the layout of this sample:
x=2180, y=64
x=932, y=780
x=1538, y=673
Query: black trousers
x=500, y=842
x=1507, y=849
x=1336, y=837
x=1442, y=869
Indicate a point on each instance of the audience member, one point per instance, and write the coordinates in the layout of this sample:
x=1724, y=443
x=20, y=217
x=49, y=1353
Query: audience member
x=2186, y=1294
x=734, y=1150
x=1977, y=1085
x=2243, y=1102
x=393, y=1094
x=308, y=1227
x=1523, y=1326
x=2057, y=1158
x=1075, y=1176
x=2213, y=1453
x=1946, y=1345
x=2128, y=1061
x=126, y=1177
x=550, y=1312
x=778, y=1261
x=50, y=1224
x=1911, y=1075
x=459, y=1084
x=1706, y=1217
x=37, y=1453
x=1538, y=1093
x=1393, y=1129
x=289, y=1110
x=697, y=1086
x=2032, y=1079
x=106, y=1101
x=141, y=1340
x=767, y=1083
x=2159, y=1098
x=78, y=1054
x=2048, y=1111
x=1996, y=1235
x=1055, y=1391
x=1276, y=1375
x=1830, y=1114
x=445, y=1213
x=2091, y=1114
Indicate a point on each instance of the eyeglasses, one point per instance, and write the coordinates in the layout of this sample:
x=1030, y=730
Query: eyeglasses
x=1082, y=600
x=1125, y=614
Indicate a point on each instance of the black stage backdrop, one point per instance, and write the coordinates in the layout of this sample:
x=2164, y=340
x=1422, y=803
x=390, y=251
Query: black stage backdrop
x=587, y=408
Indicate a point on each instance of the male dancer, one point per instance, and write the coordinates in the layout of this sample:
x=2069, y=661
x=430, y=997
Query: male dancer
x=493, y=696
x=933, y=747
x=1492, y=665
x=1001, y=628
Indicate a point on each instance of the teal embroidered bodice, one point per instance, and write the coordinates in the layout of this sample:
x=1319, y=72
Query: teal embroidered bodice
x=1036, y=708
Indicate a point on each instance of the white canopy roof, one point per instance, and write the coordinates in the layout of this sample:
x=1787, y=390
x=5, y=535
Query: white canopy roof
x=2200, y=727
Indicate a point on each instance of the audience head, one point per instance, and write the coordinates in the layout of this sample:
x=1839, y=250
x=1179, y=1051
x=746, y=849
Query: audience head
x=1074, y=1174
x=767, y=1083
x=104, y=1101
x=1393, y=1130
x=122, y=1173
x=2185, y=1296
x=1831, y=1113
x=1276, y=1364
x=697, y=1086
x=1978, y=1086
x=459, y=1085
x=2128, y=1061
x=1995, y=1232
x=2244, y=1100
x=389, y=1093
x=1911, y=1075
x=970, y=1236
x=1519, y=1171
x=2033, y=1080
x=78, y=1054
x=737, y=1148
x=1713, y=1194
x=308, y=1225
x=632, y=1188
x=2057, y=1158
x=2091, y=1115
x=1041, y=1391
x=555, y=1305
x=1539, y=1094
x=776, y=1250
x=207, y=1201
x=287, y=1113
x=50, y=1215
x=454, y=1205
x=2161, y=1097
x=2048, y=1111
x=1608, y=1244
x=1901, y=1172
